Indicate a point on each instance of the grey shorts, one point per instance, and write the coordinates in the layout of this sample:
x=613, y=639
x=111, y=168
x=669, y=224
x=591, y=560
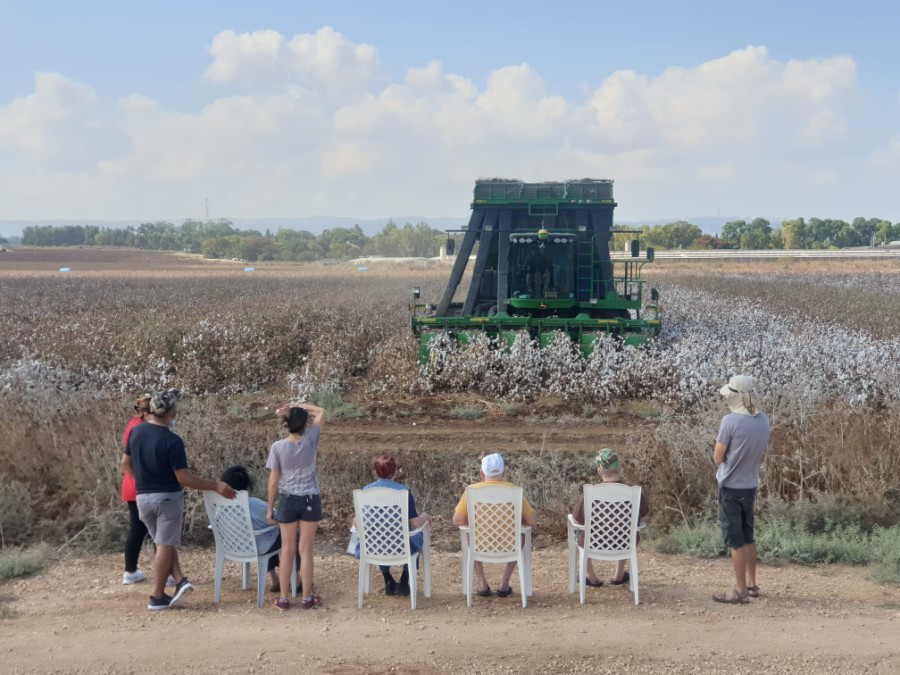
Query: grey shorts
x=163, y=514
x=292, y=508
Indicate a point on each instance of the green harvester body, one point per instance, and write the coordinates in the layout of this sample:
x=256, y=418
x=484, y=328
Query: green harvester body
x=542, y=267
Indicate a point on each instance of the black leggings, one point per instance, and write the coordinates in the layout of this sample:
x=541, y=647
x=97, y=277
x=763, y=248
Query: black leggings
x=137, y=532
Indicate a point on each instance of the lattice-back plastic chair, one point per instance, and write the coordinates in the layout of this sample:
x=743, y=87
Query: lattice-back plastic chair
x=494, y=535
x=382, y=522
x=236, y=540
x=611, y=513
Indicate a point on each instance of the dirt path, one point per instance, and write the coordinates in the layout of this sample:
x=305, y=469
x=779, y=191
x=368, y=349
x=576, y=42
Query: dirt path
x=78, y=618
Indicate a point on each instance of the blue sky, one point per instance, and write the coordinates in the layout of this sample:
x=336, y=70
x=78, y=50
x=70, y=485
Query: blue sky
x=133, y=73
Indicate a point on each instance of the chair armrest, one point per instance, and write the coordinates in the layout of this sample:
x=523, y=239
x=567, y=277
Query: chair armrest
x=572, y=523
x=463, y=528
x=265, y=530
x=426, y=526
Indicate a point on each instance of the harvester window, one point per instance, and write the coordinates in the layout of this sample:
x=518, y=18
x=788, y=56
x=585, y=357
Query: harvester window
x=541, y=271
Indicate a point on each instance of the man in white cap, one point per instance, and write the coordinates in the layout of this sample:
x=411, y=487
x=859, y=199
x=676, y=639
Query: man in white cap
x=492, y=469
x=740, y=447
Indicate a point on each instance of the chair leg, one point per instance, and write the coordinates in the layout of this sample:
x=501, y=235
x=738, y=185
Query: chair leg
x=363, y=573
x=464, y=557
x=260, y=580
x=523, y=579
x=414, y=578
x=635, y=586
x=426, y=554
x=245, y=576
x=573, y=552
x=582, y=574
x=468, y=574
x=220, y=570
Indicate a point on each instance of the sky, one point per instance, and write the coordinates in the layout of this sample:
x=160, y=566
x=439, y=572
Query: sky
x=112, y=110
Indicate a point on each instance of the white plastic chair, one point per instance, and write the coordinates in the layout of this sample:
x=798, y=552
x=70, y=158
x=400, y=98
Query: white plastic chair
x=494, y=535
x=382, y=523
x=236, y=540
x=610, y=531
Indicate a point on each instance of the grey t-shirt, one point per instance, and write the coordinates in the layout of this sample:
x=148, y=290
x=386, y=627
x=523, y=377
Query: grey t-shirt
x=296, y=462
x=746, y=438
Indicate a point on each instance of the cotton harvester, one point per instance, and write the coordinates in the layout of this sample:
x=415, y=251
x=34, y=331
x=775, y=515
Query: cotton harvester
x=542, y=266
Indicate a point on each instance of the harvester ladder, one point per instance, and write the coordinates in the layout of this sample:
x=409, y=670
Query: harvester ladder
x=584, y=271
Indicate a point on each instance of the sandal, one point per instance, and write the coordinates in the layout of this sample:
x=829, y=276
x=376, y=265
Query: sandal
x=753, y=591
x=624, y=580
x=597, y=584
x=506, y=593
x=485, y=594
x=311, y=602
x=738, y=599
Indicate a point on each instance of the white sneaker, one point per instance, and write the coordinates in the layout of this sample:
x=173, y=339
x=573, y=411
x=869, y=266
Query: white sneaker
x=132, y=578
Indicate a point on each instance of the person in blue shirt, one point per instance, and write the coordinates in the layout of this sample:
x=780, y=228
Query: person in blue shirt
x=385, y=469
x=239, y=479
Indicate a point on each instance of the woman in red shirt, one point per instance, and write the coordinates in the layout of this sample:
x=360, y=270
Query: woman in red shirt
x=137, y=531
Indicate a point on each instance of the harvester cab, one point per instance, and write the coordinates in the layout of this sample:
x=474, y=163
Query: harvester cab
x=542, y=267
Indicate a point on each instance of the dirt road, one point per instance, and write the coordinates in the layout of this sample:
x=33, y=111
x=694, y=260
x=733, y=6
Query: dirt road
x=77, y=618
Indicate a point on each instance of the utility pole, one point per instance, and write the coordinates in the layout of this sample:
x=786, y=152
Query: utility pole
x=207, y=209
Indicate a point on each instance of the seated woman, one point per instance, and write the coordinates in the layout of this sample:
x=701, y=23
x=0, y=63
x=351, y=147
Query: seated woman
x=239, y=479
x=385, y=468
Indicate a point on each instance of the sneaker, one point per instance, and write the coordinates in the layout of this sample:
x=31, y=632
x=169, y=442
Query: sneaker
x=403, y=588
x=390, y=587
x=156, y=604
x=135, y=577
x=311, y=602
x=171, y=581
x=182, y=588
x=282, y=603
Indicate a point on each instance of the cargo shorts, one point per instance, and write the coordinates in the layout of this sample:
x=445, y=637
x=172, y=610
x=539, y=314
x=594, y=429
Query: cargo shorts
x=736, y=516
x=163, y=514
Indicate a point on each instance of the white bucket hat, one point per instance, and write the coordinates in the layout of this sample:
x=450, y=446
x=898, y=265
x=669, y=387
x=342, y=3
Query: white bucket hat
x=739, y=394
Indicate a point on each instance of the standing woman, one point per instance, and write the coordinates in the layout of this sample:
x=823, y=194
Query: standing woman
x=292, y=476
x=137, y=531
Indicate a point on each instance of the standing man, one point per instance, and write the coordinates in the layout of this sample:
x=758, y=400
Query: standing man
x=740, y=446
x=155, y=458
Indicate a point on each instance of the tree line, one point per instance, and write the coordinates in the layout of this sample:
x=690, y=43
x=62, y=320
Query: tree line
x=221, y=239
x=759, y=233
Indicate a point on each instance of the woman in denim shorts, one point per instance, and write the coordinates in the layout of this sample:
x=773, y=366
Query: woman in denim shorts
x=292, y=476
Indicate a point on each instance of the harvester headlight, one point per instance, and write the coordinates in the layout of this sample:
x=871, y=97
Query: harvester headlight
x=557, y=240
x=528, y=240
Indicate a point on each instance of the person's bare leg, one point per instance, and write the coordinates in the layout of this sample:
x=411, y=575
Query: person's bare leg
x=479, y=576
x=176, y=572
x=507, y=574
x=750, y=556
x=739, y=563
x=307, y=544
x=591, y=575
x=620, y=570
x=162, y=566
x=288, y=551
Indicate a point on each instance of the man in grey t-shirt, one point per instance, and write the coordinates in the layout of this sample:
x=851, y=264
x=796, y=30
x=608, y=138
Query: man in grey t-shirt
x=740, y=446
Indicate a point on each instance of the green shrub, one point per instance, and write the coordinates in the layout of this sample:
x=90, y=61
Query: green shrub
x=467, y=412
x=20, y=562
x=700, y=541
x=16, y=512
x=335, y=406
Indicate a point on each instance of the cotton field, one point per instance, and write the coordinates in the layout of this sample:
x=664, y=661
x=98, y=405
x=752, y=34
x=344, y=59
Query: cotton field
x=807, y=336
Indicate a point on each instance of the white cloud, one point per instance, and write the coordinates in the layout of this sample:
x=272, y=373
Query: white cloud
x=318, y=129
x=323, y=60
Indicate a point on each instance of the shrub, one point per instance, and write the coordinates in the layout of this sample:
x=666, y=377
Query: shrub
x=16, y=512
x=467, y=412
x=335, y=406
x=20, y=562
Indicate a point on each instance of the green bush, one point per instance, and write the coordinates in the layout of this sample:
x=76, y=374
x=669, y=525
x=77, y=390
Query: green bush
x=336, y=407
x=781, y=540
x=700, y=541
x=467, y=412
x=20, y=562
